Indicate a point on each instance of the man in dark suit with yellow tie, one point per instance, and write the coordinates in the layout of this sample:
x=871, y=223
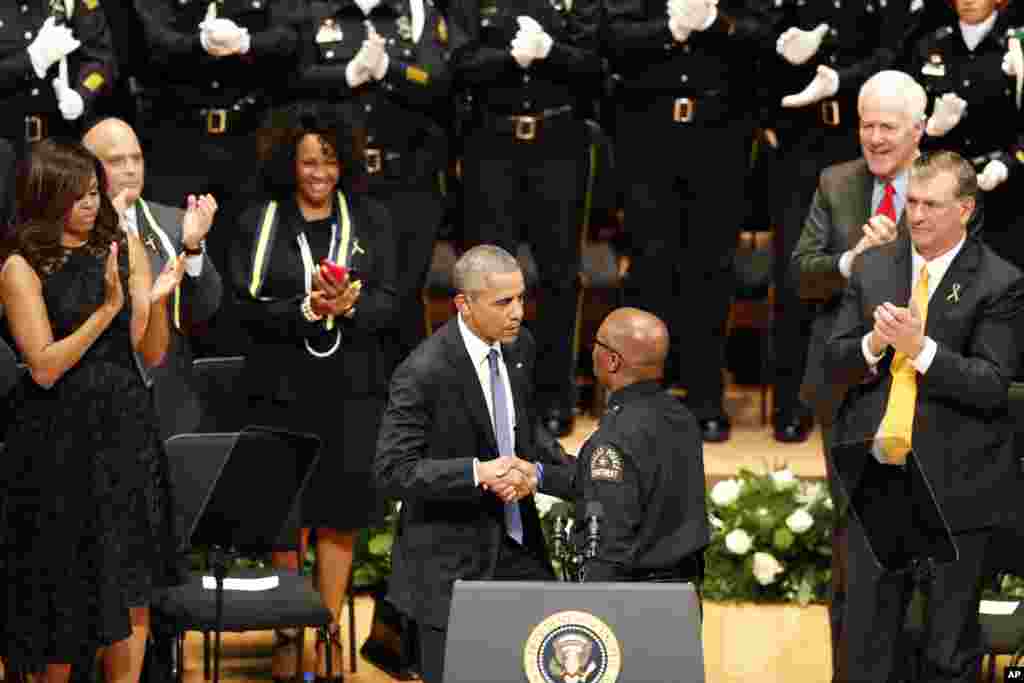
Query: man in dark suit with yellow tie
x=925, y=338
x=458, y=428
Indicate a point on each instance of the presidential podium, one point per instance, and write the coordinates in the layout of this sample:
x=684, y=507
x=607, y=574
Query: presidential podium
x=553, y=632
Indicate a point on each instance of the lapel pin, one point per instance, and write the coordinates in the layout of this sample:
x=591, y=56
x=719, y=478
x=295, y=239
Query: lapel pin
x=519, y=366
x=954, y=294
x=356, y=249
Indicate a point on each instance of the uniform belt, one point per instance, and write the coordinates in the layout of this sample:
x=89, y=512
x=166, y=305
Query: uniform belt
x=223, y=121
x=524, y=126
x=36, y=127
x=383, y=162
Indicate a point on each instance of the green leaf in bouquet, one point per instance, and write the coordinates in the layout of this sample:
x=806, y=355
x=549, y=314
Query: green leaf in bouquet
x=380, y=544
x=782, y=539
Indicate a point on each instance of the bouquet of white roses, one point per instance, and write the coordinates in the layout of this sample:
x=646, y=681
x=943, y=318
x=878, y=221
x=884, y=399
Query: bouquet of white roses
x=770, y=539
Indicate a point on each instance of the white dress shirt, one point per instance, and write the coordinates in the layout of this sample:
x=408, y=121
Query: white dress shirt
x=478, y=350
x=193, y=264
x=975, y=33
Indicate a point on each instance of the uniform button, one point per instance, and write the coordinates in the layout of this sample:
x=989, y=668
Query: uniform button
x=329, y=54
x=485, y=22
x=256, y=4
x=526, y=78
x=28, y=35
x=870, y=8
x=35, y=92
x=368, y=108
x=215, y=85
x=1, y=23
x=668, y=46
x=684, y=78
x=837, y=4
x=833, y=32
x=967, y=82
x=24, y=8
x=391, y=41
x=882, y=3
x=389, y=87
x=527, y=104
x=370, y=138
x=832, y=59
x=407, y=52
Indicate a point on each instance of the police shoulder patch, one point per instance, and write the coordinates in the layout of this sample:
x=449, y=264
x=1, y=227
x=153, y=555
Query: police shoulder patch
x=606, y=464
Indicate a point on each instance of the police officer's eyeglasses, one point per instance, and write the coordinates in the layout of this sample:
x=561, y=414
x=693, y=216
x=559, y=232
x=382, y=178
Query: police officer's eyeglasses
x=609, y=348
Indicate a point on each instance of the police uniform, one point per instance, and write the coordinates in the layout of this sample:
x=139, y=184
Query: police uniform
x=645, y=465
x=988, y=130
x=864, y=37
x=198, y=113
x=405, y=147
x=525, y=160
x=683, y=134
x=30, y=110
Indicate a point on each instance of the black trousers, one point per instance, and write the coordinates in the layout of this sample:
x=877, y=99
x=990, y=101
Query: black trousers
x=684, y=204
x=532, y=191
x=875, y=648
x=806, y=147
x=515, y=563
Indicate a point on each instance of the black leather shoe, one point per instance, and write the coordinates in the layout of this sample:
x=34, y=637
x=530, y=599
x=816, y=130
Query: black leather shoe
x=715, y=430
x=558, y=422
x=793, y=429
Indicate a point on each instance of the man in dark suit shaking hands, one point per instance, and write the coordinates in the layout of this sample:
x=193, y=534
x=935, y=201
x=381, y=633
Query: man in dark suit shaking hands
x=925, y=336
x=456, y=436
x=166, y=232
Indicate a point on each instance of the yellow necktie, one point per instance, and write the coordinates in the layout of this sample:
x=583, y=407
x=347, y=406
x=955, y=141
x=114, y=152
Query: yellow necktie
x=898, y=423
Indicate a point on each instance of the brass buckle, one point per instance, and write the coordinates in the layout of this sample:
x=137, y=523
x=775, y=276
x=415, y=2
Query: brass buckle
x=216, y=121
x=34, y=129
x=373, y=161
x=682, y=112
x=526, y=127
x=830, y=113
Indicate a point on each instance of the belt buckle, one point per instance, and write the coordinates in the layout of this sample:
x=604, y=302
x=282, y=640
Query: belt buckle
x=682, y=110
x=373, y=161
x=216, y=121
x=526, y=127
x=34, y=129
x=830, y=113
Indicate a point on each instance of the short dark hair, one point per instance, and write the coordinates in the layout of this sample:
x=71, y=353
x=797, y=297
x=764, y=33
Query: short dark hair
x=286, y=128
x=929, y=165
x=471, y=271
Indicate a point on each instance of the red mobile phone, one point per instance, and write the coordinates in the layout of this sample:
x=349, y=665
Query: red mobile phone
x=336, y=272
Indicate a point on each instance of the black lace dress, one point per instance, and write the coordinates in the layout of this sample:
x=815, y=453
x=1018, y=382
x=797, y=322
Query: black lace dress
x=87, y=524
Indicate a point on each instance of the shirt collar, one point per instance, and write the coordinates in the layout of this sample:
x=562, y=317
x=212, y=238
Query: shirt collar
x=938, y=266
x=899, y=183
x=478, y=349
x=975, y=33
x=631, y=391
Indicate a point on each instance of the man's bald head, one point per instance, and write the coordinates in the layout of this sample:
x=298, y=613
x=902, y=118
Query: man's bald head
x=640, y=338
x=115, y=144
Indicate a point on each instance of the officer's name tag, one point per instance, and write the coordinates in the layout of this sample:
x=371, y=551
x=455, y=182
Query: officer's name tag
x=931, y=69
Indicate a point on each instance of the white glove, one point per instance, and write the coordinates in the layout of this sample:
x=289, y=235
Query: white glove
x=540, y=40
x=824, y=84
x=52, y=44
x=1013, y=64
x=69, y=101
x=994, y=174
x=222, y=37
x=797, y=46
x=377, y=59
x=948, y=111
x=677, y=28
x=695, y=15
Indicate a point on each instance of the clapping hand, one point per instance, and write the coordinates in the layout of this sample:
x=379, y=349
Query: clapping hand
x=692, y=15
x=901, y=328
x=51, y=44
x=168, y=279
x=376, y=53
x=824, y=84
x=949, y=109
x=334, y=298
x=878, y=230
x=531, y=42
x=114, y=293
x=993, y=175
x=222, y=37
x=798, y=46
x=199, y=213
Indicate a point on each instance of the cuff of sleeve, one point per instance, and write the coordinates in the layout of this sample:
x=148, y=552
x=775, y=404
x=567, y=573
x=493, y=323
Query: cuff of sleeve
x=846, y=264
x=476, y=477
x=194, y=265
x=927, y=355
x=871, y=358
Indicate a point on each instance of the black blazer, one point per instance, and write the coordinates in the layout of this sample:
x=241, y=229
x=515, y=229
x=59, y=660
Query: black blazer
x=962, y=429
x=278, y=366
x=435, y=423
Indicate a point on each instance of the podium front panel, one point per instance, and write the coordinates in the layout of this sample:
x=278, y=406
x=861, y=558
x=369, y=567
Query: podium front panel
x=552, y=632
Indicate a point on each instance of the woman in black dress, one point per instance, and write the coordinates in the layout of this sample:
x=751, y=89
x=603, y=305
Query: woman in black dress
x=322, y=352
x=87, y=510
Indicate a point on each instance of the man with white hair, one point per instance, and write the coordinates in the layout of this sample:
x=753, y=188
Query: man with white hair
x=855, y=209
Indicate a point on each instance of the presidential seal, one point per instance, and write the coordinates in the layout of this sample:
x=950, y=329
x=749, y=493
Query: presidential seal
x=572, y=647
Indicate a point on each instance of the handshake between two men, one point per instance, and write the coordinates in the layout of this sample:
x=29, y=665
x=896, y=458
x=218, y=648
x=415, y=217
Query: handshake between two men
x=508, y=477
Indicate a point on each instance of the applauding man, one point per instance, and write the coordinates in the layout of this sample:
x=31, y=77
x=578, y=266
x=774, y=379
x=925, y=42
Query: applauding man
x=457, y=427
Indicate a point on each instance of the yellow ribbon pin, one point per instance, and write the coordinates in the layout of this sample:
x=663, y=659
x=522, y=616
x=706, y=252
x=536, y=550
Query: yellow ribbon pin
x=954, y=294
